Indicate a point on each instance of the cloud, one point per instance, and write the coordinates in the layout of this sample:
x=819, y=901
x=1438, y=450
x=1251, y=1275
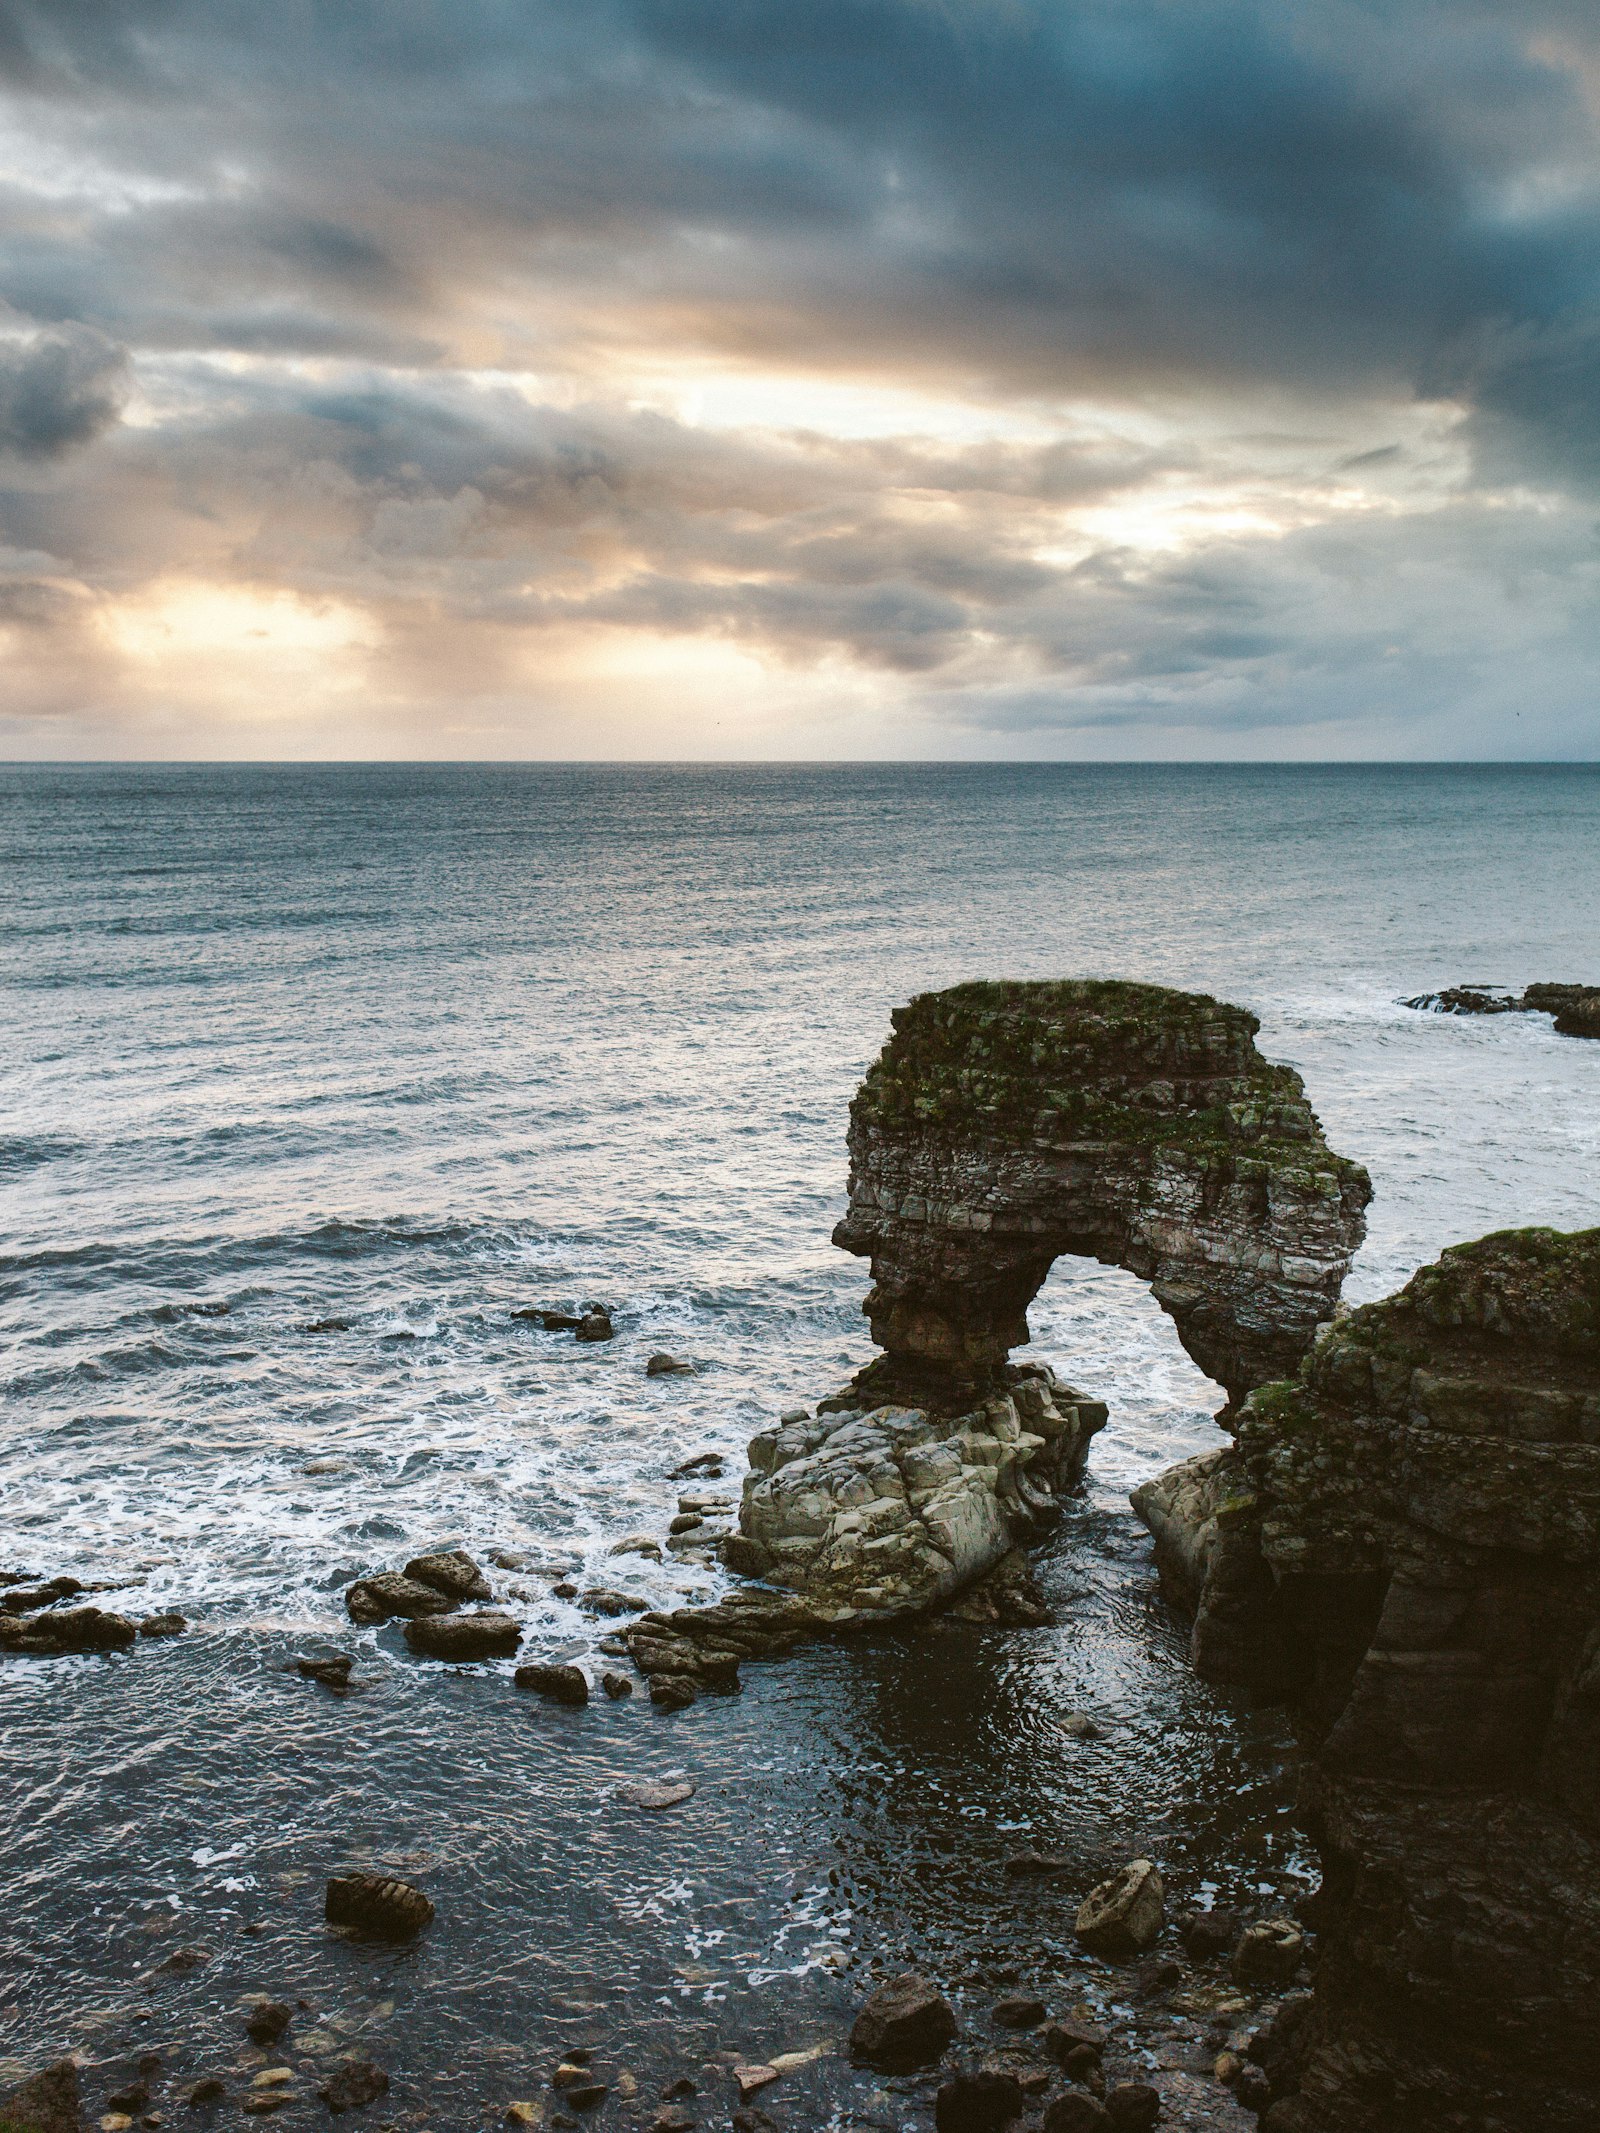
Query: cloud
x=1050, y=367
x=58, y=390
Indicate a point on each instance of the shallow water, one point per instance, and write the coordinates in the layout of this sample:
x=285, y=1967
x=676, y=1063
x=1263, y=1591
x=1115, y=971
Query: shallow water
x=412, y=1047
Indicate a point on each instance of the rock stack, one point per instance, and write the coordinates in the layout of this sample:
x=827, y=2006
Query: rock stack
x=1405, y=1543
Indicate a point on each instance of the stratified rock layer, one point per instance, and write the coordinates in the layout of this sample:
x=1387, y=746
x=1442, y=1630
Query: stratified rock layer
x=1406, y=1542
x=1006, y=1124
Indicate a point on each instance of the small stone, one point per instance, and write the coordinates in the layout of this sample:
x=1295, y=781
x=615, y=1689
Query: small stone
x=1076, y=2112
x=1020, y=2011
x=168, y=1625
x=378, y=1904
x=672, y=2121
x=616, y=1685
x=1227, y=2066
x=259, y=2106
x=676, y=2090
x=589, y=2094
x=595, y=1325
x=753, y=2079
x=1032, y=1862
x=266, y=2024
x=273, y=2077
x=637, y=1544
x=1252, y=2088
x=333, y=1672
x=115, y=2122
x=906, y=2022
x=182, y=1960
x=354, y=2083
x=464, y=1636
x=701, y=1463
x=980, y=2102
x=1208, y=1934
x=1123, y=1915
x=602, y=1600
x=452, y=1572
x=671, y=1692
x=560, y=1684
x=525, y=2114
x=208, y=2089
x=656, y=1794
x=1077, y=1725
x=1133, y=2106
x=133, y=2099
x=1072, y=2034
x=1158, y=1975
x=1268, y=1954
x=564, y=1589
x=327, y=1325
x=686, y=1522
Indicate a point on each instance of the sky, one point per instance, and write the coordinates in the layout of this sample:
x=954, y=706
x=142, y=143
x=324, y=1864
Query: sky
x=800, y=379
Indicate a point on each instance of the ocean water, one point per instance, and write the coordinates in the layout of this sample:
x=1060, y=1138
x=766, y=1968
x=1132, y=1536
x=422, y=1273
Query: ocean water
x=412, y=1047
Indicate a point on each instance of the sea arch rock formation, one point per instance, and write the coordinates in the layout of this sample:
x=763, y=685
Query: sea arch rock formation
x=1006, y=1124
x=1405, y=1544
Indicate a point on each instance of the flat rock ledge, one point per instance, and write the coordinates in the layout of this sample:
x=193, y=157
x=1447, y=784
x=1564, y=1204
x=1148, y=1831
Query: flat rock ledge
x=862, y=1516
x=1404, y=1544
x=1576, y=1008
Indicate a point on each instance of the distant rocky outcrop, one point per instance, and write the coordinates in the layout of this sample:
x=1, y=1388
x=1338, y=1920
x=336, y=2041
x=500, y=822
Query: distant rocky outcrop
x=1405, y=1543
x=1006, y=1124
x=1576, y=1008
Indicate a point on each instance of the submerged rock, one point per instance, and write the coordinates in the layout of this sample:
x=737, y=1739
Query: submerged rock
x=905, y=2023
x=560, y=1684
x=167, y=1625
x=1006, y=1124
x=464, y=1636
x=669, y=1366
x=379, y=1904
x=1407, y=1551
x=354, y=2083
x=333, y=1672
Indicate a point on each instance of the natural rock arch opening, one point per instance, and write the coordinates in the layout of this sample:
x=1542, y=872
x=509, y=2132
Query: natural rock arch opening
x=1007, y=1125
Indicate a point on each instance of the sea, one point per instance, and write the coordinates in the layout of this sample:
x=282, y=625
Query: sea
x=400, y=1050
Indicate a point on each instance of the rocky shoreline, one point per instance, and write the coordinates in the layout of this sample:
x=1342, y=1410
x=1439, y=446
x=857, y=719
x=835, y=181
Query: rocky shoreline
x=1399, y=1545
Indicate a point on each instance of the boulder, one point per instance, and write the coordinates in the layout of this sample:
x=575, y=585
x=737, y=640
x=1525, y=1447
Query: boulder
x=1123, y=1916
x=616, y=1685
x=450, y=1571
x=907, y=2022
x=558, y=1684
x=387, y=1595
x=606, y=1600
x=671, y=1692
x=669, y=1366
x=595, y=1325
x=977, y=2102
x=22, y=1599
x=332, y=1671
x=464, y=1636
x=1076, y=2112
x=1133, y=2106
x=47, y=2102
x=377, y=1904
x=168, y=1625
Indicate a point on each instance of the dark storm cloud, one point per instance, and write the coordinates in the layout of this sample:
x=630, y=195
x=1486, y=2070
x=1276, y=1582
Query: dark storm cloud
x=58, y=389
x=316, y=227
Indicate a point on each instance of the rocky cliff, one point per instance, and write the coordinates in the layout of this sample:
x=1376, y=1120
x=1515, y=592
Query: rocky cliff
x=1006, y=1124
x=1405, y=1542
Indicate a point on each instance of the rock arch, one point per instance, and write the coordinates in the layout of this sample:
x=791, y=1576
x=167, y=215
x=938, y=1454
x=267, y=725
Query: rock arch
x=1006, y=1124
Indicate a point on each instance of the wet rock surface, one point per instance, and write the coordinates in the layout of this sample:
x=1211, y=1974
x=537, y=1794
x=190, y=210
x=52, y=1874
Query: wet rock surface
x=1006, y=1124
x=905, y=2023
x=486, y=1635
x=1408, y=1550
x=877, y=1512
